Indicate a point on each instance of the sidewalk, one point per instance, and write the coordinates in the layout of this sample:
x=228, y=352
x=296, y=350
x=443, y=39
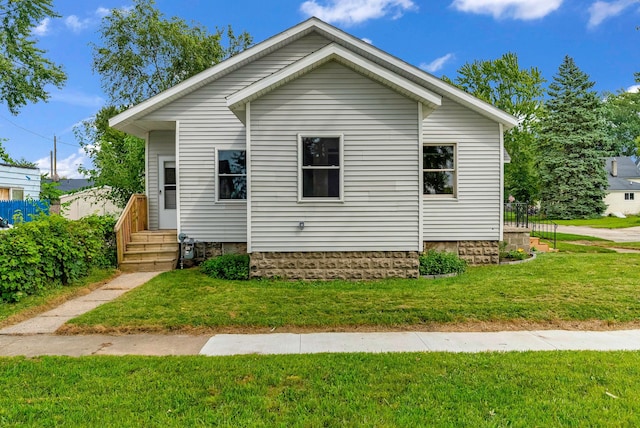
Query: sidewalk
x=36, y=337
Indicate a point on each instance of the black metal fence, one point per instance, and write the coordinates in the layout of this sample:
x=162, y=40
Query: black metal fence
x=520, y=214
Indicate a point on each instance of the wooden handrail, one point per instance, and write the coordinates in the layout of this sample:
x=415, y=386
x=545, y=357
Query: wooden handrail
x=133, y=219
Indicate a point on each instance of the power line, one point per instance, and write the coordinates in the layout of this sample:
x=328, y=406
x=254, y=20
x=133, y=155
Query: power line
x=35, y=133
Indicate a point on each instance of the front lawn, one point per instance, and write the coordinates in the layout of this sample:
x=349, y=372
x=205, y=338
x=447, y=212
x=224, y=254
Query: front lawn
x=545, y=389
x=608, y=222
x=554, y=290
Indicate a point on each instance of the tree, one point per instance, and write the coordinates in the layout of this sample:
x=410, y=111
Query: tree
x=24, y=71
x=622, y=111
x=573, y=147
x=142, y=54
x=118, y=159
x=517, y=91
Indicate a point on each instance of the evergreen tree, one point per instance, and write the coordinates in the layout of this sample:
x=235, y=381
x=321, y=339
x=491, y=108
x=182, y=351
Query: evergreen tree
x=573, y=147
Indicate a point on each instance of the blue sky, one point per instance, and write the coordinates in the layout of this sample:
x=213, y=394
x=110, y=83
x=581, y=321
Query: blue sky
x=436, y=35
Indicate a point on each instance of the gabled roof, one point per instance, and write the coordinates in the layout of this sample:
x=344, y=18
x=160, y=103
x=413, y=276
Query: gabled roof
x=627, y=171
x=67, y=185
x=126, y=120
x=332, y=52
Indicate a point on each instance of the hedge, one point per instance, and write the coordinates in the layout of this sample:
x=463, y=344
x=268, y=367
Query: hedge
x=52, y=251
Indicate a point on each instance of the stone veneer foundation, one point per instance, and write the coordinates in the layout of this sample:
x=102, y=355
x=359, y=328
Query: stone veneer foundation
x=474, y=252
x=328, y=265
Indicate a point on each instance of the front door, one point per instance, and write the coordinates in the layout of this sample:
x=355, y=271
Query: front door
x=167, y=192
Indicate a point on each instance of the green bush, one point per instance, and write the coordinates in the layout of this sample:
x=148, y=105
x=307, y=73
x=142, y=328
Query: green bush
x=228, y=266
x=50, y=251
x=441, y=262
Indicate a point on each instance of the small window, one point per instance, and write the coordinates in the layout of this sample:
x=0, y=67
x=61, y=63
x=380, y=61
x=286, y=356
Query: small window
x=439, y=169
x=17, y=194
x=232, y=175
x=629, y=196
x=320, y=165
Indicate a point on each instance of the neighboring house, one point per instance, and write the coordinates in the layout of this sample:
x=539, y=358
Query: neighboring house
x=18, y=183
x=328, y=157
x=623, y=193
x=80, y=199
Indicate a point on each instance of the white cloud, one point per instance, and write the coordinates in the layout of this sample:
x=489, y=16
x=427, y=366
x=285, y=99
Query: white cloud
x=437, y=64
x=634, y=89
x=369, y=41
x=601, y=10
x=349, y=12
x=67, y=167
x=76, y=24
x=101, y=12
x=517, y=9
x=43, y=28
x=77, y=98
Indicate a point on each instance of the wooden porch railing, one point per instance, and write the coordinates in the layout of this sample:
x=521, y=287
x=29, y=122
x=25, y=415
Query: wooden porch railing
x=133, y=219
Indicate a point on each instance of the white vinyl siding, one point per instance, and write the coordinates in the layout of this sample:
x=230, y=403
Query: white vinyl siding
x=381, y=165
x=206, y=124
x=475, y=212
x=15, y=179
x=161, y=143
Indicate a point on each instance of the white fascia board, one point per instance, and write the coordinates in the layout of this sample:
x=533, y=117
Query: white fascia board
x=121, y=120
x=332, y=52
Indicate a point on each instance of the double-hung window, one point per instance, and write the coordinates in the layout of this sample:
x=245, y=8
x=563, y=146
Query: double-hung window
x=629, y=196
x=320, y=167
x=232, y=175
x=439, y=169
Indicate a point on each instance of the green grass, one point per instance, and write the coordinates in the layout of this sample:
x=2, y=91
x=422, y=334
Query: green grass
x=603, y=222
x=554, y=287
x=546, y=389
x=42, y=301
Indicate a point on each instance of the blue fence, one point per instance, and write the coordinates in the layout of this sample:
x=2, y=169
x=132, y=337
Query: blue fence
x=25, y=209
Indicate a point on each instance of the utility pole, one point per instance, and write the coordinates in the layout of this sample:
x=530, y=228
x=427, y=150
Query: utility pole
x=55, y=160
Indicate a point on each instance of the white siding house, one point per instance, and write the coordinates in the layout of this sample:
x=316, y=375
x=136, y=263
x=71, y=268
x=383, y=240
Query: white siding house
x=19, y=183
x=316, y=146
x=623, y=193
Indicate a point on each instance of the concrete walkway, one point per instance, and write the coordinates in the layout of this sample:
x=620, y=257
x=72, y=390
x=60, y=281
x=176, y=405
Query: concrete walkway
x=36, y=337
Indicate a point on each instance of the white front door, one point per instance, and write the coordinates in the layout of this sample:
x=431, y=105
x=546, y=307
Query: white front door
x=167, y=192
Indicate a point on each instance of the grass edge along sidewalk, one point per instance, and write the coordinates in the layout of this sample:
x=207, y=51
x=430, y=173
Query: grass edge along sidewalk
x=555, y=288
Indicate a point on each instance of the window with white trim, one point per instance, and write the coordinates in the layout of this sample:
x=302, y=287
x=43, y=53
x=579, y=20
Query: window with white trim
x=629, y=196
x=232, y=175
x=320, y=167
x=439, y=169
x=11, y=194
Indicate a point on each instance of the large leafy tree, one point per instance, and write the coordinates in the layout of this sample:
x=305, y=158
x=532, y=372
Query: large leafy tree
x=573, y=147
x=24, y=70
x=622, y=111
x=517, y=91
x=142, y=53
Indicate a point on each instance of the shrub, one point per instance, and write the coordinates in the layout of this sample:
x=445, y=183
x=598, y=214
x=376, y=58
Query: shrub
x=51, y=250
x=518, y=254
x=441, y=262
x=228, y=266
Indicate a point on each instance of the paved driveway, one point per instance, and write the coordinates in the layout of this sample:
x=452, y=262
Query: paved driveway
x=630, y=234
